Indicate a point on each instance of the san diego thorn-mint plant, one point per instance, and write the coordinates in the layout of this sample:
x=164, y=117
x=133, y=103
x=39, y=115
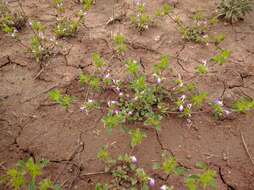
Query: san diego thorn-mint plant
x=11, y=22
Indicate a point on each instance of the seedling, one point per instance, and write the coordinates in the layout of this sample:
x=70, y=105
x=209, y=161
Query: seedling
x=66, y=27
x=120, y=43
x=64, y=101
x=41, y=46
x=222, y=57
x=166, y=10
x=137, y=136
x=202, y=69
x=25, y=176
x=141, y=20
x=10, y=22
x=199, y=100
x=234, y=10
x=170, y=166
x=124, y=171
x=87, y=4
x=243, y=105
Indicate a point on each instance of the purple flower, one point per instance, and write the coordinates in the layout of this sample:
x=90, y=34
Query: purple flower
x=181, y=108
x=116, y=112
x=151, y=182
x=82, y=109
x=219, y=102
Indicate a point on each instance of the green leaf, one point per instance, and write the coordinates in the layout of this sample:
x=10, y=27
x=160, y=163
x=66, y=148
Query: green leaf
x=169, y=165
x=156, y=166
x=222, y=57
x=137, y=137
x=201, y=165
x=207, y=179
x=17, y=178
x=180, y=171
x=98, y=60
x=243, y=105
x=199, y=100
x=33, y=168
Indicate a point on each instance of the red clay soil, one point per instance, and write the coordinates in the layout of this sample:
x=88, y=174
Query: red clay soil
x=31, y=125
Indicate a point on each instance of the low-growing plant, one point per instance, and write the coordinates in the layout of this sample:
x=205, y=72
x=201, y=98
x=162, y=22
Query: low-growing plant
x=64, y=100
x=204, y=180
x=87, y=4
x=137, y=136
x=243, y=105
x=120, y=43
x=169, y=166
x=11, y=22
x=25, y=176
x=141, y=20
x=125, y=172
x=234, y=10
x=222, y=57
x=66, y=27
x=202, y=69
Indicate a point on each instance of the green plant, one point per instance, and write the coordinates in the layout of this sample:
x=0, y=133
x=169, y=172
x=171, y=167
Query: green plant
x=169, y=165
x=41, y=46
x=66, y=27
x=124, y=171
x=222, y=57
x=87, y=4
x=141, y=20
x=198, y=100
x=164, y=11
x=137, y=136
x=204, y=180
x=64, y=101
x=11, y=22
x=202, y=69
x=243, y=105
x=25, y=176
x=120, y=43
x=234, y=10
x=218, y=39
x=193, y=33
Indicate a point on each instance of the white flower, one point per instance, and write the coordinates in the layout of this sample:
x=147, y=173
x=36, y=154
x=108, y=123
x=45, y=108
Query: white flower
x=107, y=76
x=183, y=97
x=120, y=94
x=204, y=61
x=219, y=102
x=164, y=187
x=158, y=80
x=227, y=112
x=151, y=182
x=133, y=159
x=90, y=101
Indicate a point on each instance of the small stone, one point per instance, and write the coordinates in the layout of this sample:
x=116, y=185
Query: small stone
x=189, y=156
